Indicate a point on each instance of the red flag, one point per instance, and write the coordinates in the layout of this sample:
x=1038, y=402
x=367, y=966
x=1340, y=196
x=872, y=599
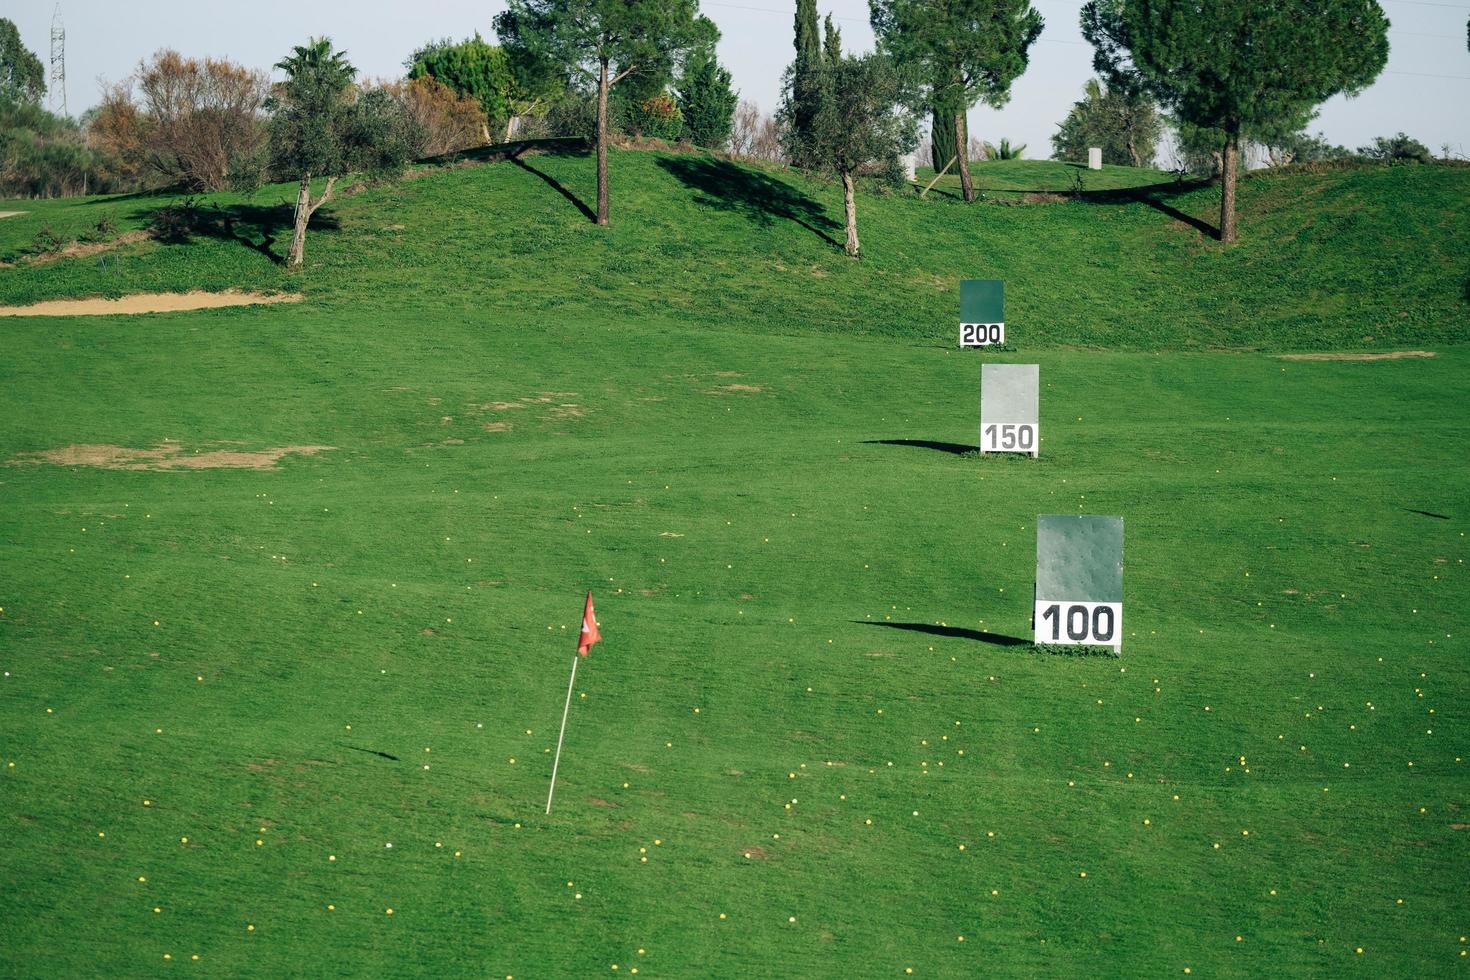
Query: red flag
x=589, y=628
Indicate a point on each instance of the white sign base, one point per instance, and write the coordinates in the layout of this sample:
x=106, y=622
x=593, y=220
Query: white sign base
x=982, y=334
x=1098, y=624
x=1009, y=437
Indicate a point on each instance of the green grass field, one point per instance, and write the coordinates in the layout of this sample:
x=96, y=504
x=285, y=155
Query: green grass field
x=815, y=712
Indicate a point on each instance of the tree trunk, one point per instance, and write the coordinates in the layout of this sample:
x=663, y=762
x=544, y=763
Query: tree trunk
x=962, y=152
x=296, y=255
x=602, y=87
x=849, y=203
x=1231, y=159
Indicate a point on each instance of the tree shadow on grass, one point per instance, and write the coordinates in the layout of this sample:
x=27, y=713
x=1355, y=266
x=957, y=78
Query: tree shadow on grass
x=726, y=186
x=255, y=226
x=556, y=185
x=953, y=448
x=953, y=632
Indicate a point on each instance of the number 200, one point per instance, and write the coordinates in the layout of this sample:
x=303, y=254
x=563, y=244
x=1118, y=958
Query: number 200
x=1081, y=627
x=981, y=334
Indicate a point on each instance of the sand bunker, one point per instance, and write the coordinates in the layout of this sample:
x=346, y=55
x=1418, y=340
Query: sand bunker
x=148, y=303
x=1392, y=355
x=165, y=456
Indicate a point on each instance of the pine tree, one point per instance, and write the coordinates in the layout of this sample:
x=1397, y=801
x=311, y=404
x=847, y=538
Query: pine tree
x=954, y=53
x=1249, y=67
x=707, y=101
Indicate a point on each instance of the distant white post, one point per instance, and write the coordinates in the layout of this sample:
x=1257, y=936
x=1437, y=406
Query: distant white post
x=1094, y=158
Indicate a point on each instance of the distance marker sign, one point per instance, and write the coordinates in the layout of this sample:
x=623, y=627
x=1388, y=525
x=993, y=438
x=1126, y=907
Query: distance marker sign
x=1079, y=580
x=1008, y=408
x=982, y=312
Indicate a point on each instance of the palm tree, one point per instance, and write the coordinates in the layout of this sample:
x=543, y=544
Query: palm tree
x=1004, y=151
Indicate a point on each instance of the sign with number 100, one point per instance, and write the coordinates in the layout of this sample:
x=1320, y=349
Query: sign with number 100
x=1079, y=580
x=1085, y=623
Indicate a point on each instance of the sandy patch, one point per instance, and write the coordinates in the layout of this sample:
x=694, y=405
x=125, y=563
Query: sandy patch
x=10, y=214
x=737, y=389
x=165, y=456
x=1392, y=355
x=148, y=303
x=496, y=426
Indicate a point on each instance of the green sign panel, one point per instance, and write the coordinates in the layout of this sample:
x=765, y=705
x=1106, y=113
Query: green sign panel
x=1079, y=580
x=982, y=312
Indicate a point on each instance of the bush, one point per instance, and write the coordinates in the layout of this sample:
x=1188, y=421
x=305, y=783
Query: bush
x=43, y=155
x=1400, y=148
x=447, y=121
x=176, y=222
x=655, y=118
x=46, y=240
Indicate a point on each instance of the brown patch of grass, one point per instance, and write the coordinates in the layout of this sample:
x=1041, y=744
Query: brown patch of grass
x=165, y=456
x=496, y=426
x=732, y=389
x=756, y=853
x=1392, y=355
x=1042, y=197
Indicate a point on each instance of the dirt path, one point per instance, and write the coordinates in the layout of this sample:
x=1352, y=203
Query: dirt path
x=148, y=303
x=1392, y=355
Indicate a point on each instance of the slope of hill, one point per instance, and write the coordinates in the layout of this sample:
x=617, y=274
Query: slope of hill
x=288, y=593
x=1360, y=258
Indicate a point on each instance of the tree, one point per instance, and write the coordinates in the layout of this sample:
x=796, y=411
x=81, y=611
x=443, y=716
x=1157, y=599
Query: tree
x=804, y=75
x=954, y=53
x=603, y=42
x=1301, y=147
x=321, y=127
x=707, y=101
x=860, y=126
x=201, y=118
x=448, y=120
x=942, y=136
x=1127, y=130
x=505, y=87
x=22, y=77
x=1131, y=101
x=307, y=125
x=756, y=136
x=1247, y=67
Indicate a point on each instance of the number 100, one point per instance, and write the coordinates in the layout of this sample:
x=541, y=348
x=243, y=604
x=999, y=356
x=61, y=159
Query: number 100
x=1079, y=622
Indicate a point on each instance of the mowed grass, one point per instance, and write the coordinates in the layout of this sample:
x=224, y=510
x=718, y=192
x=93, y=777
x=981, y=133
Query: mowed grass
x=226, y=691
x=221, y=655
x=1367, y=258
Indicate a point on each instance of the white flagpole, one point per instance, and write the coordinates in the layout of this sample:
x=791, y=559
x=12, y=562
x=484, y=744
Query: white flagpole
x=557, y=761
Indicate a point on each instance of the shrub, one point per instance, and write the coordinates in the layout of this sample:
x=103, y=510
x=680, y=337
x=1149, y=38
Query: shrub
x=1400, y=148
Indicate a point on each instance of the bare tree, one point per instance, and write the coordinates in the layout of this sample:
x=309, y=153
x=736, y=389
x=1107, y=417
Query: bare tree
x=449, y=122
x=755, y=135
x=203, y=117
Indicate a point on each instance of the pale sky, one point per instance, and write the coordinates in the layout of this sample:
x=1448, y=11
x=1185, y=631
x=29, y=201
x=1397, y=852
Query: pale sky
x=1428, y=71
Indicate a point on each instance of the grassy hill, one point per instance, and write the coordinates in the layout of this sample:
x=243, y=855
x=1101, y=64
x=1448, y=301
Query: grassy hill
x=1366, y=258
x=815, y=740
